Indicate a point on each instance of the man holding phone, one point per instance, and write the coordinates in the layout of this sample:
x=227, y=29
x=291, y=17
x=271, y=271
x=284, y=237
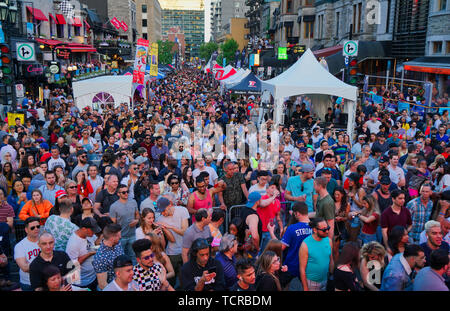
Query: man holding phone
x=201, y=272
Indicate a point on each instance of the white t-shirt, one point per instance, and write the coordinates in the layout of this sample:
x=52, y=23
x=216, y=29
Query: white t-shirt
x=95, y=183
x=374, y=127
x=257, y=188
x=41, y=114
x=396, y=174
x=179, y=214
x=212, y=174
x=77, y=247
x=28, y=250
x=54, y=162
x=444, y=183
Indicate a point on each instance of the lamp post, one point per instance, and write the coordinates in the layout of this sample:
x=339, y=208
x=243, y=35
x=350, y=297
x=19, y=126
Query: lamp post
x=8, y=19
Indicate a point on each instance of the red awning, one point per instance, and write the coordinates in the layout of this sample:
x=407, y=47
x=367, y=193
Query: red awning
x=77, y=22
x=61, y=19
x=37, y=14
x=48, y=41
x=428, y=69
x=78, y=47
x=87, y=25
x=328, y=51
x=53, y=18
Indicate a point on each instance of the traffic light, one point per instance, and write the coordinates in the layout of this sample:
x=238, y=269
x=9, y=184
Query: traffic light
x=6, y=65
x=353, y=71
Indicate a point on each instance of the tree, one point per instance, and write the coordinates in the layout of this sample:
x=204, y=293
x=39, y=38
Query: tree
x=229, y=49
x=165, y=52
x=206, y=50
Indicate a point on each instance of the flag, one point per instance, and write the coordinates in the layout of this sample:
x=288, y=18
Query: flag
x=124, y=26
x=115, y=22
x=154, y=60
x=140, y=62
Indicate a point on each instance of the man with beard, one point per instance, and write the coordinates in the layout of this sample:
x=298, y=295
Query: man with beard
x=203, y=197
x=50, y=188
x=82, y=164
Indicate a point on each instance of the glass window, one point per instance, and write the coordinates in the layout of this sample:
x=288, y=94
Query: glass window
x=144, y=8
x=144, y=23
x=437, y=47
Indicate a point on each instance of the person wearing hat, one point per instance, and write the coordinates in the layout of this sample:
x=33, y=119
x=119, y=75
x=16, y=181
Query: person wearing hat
x=44, y=151
x=301, y=188
x=123, y=271
x=372, y=177
x=269, y=211
x=357, y=147
x=80, y=247
x=252, y=222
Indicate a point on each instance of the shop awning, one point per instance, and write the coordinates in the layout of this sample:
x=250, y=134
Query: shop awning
x=37, y=14
x=328, y=51
x=53, y=18
x=79, y=48
x=437, y=65
x=77, y=22
x=49, y=42
x=60, y=18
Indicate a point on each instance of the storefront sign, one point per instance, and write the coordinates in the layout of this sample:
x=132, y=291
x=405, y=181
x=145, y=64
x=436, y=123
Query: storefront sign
x=36, y=69
x=20, y=91
x=54, y=68
x=63, y=54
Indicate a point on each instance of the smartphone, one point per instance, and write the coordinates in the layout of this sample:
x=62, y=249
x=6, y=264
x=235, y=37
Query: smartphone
x=212, y=269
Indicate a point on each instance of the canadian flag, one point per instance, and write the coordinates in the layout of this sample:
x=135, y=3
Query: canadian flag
x=124, y=26
x=115, y=23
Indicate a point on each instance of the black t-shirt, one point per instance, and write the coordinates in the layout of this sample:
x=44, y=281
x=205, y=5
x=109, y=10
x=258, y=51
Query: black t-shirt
x=237, y=288
x=106, y=199
x=345, y=281
x=266, y=283
x=247, y=211
x=191, y=273
x=60, y=260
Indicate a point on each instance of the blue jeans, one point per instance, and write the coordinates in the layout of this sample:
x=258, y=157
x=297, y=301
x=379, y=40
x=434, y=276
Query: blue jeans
x=366, y=238
x=265, y=238
x=25, y=287
x=128, y=250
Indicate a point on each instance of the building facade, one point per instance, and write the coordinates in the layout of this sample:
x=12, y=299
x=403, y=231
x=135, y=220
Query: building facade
x=148, y=14
x=235, y=29
x=222, y=11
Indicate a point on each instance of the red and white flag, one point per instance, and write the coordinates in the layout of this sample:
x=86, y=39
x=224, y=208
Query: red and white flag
x=124, y=26
x=115, y=23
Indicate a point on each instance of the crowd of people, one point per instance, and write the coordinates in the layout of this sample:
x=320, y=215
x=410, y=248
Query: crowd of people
x=129, y=199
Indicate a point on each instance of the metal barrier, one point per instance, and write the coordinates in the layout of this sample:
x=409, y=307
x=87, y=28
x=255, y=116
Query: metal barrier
x=19, y=230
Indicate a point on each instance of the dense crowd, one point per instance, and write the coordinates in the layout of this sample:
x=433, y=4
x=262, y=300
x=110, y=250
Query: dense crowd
x=135, y=199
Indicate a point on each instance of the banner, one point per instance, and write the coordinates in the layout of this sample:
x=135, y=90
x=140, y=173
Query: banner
x=12, y=118
x=403, y=106
x=154, y=60
x=377, y=99
x=140, y=61
x=124, y=26
x=116, y=23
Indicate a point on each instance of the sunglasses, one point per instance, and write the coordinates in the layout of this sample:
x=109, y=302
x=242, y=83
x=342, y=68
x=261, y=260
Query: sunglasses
x=72, y=187
x=35, y=227
x=83, y=156
x=124, y=192
x=152, y=255
x=324, y=229
x=174, y=183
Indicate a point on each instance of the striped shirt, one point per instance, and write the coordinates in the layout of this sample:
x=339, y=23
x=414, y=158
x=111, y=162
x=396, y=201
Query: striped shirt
x=6, y=211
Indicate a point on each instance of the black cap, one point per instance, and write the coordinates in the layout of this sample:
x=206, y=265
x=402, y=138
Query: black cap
x=383, y=159
x=354, y=176
x=385, y=180
x=122, y=261
x=376, y=148
x=81, y=152
x=380, y=134
x=90, y=223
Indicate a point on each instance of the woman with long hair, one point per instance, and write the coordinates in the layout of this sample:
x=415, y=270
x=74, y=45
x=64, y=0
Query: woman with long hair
x=74, y=197
x=342, y=208
x=53, y=281
x=398, y=238
x=28, y=163
x=18, y=197
x=84, y=187
x=148, y=225
x=269, y=265
x=36, y=207
x=87, y=210
x=369, y=216
x=246, y=170
x=345, y=268
x=372, y=251
x=282, y=171
x=188, y=179
x=403, y=149
x=60, y=177
x=355, y=194
x=127, y=137
x=3, y=181
x=9, y=175
x=161, y=257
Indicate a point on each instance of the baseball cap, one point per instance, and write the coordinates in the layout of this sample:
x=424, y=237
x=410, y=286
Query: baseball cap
x=385, y=180
x=60, y=193
x=306, y=168
x=383, y=159
x=253, y=197
x=81, y=152
x=122, y=261
x=303, y=149
x=380, y=134
x=162, y=204
x=354, y=176
x=140, y=159
x=362, y=136
x=44, y=146
x=90, y=223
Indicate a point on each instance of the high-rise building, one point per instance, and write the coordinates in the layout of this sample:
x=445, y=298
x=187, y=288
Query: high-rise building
x=222, y=11
x=189, y=15
x=148, y=15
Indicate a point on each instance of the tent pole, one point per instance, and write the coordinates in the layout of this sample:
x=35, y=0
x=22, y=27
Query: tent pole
x=351, y=119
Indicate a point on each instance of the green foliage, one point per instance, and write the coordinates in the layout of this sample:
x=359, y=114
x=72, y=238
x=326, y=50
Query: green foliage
x=165, y=54
x=206, y=49
x=229, y=49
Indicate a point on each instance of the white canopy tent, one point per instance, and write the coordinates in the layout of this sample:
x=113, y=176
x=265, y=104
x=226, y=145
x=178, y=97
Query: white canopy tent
x=104, y=89
x=308, y=76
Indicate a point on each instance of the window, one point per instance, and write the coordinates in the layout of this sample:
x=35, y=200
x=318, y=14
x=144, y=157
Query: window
x=309, y=2
x=388, y=17
x=144, y=35
x=447, y=48
x=437, y=47
x=288, y=31
x=441, y=5
x=289, y=6
x=144, y=23
x=144, y=8
x=77, y=31
x=354, y=19
x=309, y=30
x=60, y=31
x=338, y=15
x=69, y=31
x=359, y=17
